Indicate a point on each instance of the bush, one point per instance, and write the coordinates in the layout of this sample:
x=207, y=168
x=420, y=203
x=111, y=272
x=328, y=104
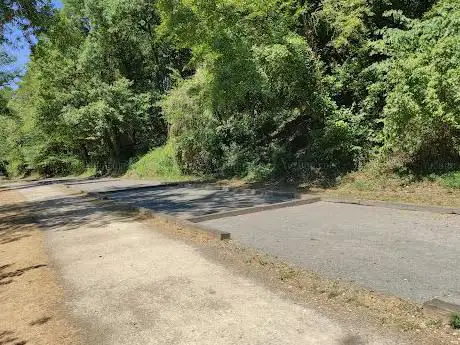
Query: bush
x=59, y=165
x=451, y=180
x=455, y=321
x=256, y=103
x=193, y=128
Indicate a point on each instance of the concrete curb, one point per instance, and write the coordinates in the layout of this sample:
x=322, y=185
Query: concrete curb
x=150, y=214
x=184, y=223
x=394, y=205
x=254, y=209
x=153, y=186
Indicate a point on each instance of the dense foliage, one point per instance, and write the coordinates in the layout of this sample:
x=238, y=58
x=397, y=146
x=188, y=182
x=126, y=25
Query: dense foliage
x=422, y=110
x=258, y=89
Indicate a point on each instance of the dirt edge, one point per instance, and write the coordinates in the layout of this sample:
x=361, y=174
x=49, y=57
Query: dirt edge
x=33, y=309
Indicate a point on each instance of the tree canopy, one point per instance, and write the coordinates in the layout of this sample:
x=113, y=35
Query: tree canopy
x=29, y=16
x=265, y=89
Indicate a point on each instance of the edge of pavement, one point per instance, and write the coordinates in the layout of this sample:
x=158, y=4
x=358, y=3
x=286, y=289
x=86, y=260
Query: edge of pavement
x=147, y=213
x=255, y=209
x=394, y=205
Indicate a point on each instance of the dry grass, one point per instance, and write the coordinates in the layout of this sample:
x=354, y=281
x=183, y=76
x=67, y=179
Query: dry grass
x=30, y=297
x=369, y=185
x=364, y=185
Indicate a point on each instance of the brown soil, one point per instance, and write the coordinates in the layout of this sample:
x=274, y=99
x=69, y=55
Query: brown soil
x=31, y=300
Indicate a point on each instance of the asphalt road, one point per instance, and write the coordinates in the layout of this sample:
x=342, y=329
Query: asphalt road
x=411, y=254
x=180, y=201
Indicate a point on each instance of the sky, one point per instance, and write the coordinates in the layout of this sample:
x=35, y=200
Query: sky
x=22, y=51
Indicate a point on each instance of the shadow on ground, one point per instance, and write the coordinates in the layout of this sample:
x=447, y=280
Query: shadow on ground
x=187, y=202
x=183, y=201
x=58, y=214
x=44, y=182
x=8, y=277
x=70, y=212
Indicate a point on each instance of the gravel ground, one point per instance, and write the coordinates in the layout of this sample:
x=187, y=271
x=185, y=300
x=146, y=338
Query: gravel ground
x=127, y=284
x=409, y=254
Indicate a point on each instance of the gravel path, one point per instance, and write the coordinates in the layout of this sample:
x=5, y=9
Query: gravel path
x=414, y=255
x=127, y=284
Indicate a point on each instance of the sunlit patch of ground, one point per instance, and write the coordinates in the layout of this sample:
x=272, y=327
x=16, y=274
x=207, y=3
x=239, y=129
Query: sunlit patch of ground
x=30, y=298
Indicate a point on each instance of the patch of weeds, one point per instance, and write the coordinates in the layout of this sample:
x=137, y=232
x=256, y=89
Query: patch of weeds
x=89, y=172
x=451, y=180
x=434, y=323
x=432, y=178
x=408, y=325
x=287, y=274
x=455, y=321
x=362, y=185
x=333, y=294
x=159, y=163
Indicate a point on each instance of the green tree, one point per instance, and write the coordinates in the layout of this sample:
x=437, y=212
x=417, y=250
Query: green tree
x=422, y=110
x=284, y=89
x=92, y=87
x=257, y=98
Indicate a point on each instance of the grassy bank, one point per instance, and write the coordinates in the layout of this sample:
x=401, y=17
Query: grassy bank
x=159, y=164
x=442, y=190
